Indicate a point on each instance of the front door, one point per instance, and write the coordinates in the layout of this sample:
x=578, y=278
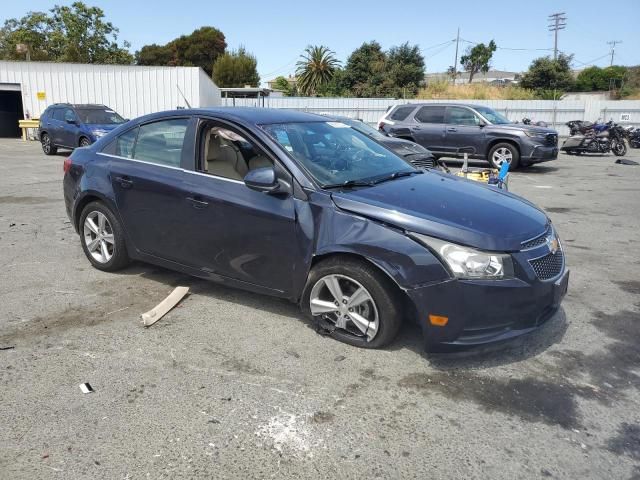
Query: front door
x=69, y=130
x=464, y=132
x=148, y=183
x=234, y=231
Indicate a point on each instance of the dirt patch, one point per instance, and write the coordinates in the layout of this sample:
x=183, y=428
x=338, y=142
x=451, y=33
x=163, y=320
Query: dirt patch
x=530, y=399
x=18, y=200
x=631, y=286
x=241, y=366
x=322, y=417
x=627, y=442
x=558, y=209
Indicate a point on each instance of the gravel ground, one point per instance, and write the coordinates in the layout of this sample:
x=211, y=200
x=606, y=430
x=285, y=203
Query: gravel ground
x=236, y=385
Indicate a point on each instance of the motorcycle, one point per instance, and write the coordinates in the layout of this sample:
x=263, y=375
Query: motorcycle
x=609, y=139
x=633, y=136
x=539, y=123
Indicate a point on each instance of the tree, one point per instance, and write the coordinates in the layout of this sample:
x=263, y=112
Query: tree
x=315, y=68
x=546, y=73
x=452, y=73
x=282, y=84
x=236, y=69
x=364, y=73
x=478, y=58
x=405, y=69
x=76, y=33
x=201, y=48
x=595, y=78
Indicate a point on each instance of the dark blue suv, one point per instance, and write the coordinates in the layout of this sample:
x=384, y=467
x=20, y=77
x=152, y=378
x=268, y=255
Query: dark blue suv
x=69, y=126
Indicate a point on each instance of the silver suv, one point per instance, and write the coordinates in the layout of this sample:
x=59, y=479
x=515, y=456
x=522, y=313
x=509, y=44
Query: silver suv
x=448, y=129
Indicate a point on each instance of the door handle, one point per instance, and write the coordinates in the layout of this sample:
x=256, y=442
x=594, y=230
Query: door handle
x=451, y=129
x=196, y=202
x=415, y=128
x=125, y=182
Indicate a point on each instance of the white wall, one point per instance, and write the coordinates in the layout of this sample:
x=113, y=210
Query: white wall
x=130, y=90
x=371, y=109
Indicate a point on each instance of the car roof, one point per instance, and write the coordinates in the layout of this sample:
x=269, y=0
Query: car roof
x=440, y=104
x=246, y=115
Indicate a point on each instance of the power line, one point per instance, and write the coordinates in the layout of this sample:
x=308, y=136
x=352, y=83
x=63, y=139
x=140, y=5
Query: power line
x=558, y=22
x=613, y=44
x=510, y=48
x=584, y=64
x=279, y=69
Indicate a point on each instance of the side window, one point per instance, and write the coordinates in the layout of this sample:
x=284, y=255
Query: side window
x=58, y=114
x=431, y=114
x=161, y=142
x=461, y=116
x=69, y=115
x=401, y=113
x=124, y=143
x=228, y=154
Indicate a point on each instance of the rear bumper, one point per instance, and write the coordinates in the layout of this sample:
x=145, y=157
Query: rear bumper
x=483, y=312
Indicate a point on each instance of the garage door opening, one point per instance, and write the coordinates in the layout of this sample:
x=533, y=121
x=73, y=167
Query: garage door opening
x=10, y=112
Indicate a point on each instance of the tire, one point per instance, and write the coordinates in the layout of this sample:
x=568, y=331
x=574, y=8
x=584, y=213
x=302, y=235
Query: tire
x=619, y=148
x=47, y=145
x=383, y=308
x=84, y=142
x=506, y=150
x=112, y=255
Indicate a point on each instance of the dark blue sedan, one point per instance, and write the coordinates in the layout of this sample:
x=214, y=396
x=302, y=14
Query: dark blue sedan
x=301, y=207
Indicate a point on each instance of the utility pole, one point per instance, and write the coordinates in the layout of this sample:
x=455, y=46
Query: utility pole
x=455, y=62
x=558, y=21
x=613, y=44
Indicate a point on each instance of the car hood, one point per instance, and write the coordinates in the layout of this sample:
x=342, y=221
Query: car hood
x=450, y=208
x=404, y=147
x=521, y=127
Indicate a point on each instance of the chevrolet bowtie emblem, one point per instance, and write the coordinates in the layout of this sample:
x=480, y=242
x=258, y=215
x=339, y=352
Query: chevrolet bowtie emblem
x=553, y=244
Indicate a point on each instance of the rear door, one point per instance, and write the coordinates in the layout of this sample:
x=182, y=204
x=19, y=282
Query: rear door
x=428, y=128
x=70, y=128
x=56, y=125
x=148, y=182
x=464, y=131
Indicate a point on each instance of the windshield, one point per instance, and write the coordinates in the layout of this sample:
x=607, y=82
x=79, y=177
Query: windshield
x=98, y=117
x=365, y=128
x=333, y=153
x=493, y=116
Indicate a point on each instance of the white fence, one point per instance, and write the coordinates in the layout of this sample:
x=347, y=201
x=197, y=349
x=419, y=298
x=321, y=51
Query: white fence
x=555, y=113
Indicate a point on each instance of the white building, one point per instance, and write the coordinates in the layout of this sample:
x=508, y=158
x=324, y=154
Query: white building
x=27, y=88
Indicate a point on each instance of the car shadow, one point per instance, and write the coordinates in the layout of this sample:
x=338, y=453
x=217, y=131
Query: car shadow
x=537, y=169
x=410, y=335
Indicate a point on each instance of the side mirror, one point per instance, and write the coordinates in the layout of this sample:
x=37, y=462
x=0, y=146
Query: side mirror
x=482, y=123
x=262, y=180
x=71, y=121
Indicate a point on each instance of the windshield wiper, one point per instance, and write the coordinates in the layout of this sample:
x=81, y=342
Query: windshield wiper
x=395, y=175
x=347, y=184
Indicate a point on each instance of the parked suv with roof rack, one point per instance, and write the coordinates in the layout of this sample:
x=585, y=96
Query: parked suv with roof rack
x=449, y=128
x=66, y=125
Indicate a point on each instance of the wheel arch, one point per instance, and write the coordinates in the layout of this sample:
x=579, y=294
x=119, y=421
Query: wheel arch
x=83, y=136
x=85, y=199
x=496, y=141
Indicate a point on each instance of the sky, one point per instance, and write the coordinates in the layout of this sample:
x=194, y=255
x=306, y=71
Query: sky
x=278, y=32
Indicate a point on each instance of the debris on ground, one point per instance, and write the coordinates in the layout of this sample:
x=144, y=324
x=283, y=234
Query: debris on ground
x=160, y=310
x=10, y=347
x=624, y=161
x=86, y=388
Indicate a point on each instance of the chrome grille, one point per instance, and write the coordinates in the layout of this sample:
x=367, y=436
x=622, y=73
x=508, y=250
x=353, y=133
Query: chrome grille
x=537, y=241
x=549, y=266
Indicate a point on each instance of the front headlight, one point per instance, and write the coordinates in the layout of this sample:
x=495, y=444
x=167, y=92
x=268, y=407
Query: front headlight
x=536, y=135
x=469, y=263
x=99, y=133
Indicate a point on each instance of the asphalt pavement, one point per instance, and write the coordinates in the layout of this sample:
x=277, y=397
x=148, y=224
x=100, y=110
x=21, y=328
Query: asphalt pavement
x=236, y=385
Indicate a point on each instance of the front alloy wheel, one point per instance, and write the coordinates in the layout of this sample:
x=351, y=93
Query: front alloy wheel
x=504, y=152
x=85, y=142
x=345, y=303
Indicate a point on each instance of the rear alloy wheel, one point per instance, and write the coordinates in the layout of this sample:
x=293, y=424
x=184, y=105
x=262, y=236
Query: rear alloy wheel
x=354, y=302
x=504, y=152
x=47, y=147
x=102, y=238
x=85, y=142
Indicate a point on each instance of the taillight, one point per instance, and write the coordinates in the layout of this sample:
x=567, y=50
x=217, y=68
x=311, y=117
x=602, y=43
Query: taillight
x=66, y=166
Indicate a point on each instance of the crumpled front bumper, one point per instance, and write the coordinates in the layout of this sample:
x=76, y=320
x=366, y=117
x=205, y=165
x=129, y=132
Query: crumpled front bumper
x=480, y=312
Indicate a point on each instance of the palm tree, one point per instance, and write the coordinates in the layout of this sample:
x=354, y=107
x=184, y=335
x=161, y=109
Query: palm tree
x=315, y=68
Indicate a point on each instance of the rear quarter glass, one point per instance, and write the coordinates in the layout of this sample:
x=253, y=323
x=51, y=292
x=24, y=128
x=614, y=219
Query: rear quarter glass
x=401, y=113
